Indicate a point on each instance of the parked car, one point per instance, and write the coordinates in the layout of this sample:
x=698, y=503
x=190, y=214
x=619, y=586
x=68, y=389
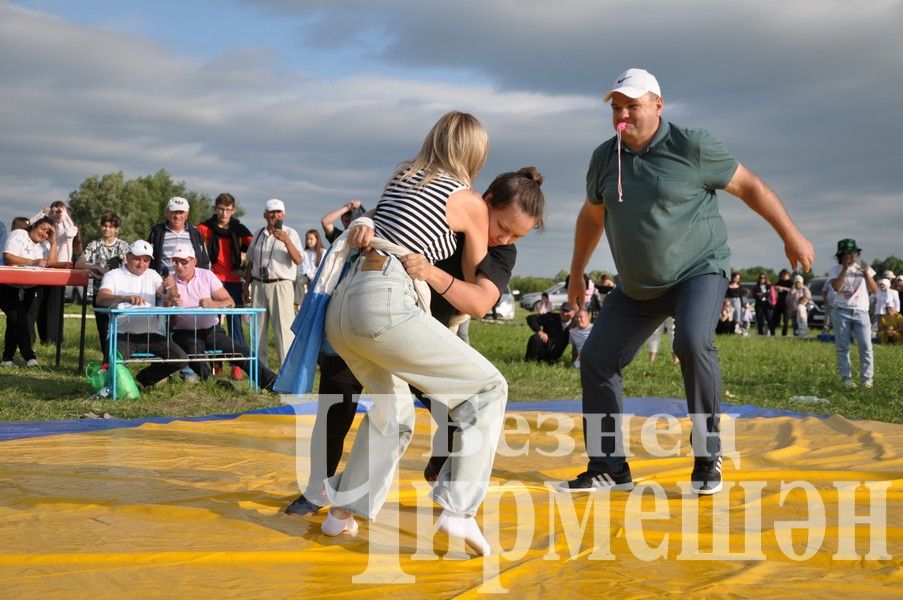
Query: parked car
x=817, y=316
x=816, y=308
x=504, y=308
x=558, y=294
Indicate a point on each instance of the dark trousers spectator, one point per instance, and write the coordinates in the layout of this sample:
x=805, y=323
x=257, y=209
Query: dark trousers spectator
x=128, y=344
x=198, y=341
x=50, y=326
x=764, y=318
x=549, y=351
x=781, y=315
x=725, y=327
x=102, y=321
x=32, y=316
x=336, y=379
x=236, y=332
x=16, y=302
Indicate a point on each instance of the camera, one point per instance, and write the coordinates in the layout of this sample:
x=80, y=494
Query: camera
x=278, y=224
x=263, y=273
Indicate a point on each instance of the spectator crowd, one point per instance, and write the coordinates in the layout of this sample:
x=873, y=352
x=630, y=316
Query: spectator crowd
x=787, y=305
x=219, y=263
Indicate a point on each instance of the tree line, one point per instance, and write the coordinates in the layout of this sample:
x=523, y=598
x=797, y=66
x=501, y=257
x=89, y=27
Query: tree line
x=139, y=202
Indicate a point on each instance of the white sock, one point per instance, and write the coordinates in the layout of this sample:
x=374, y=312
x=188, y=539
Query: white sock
x=462, y=526
x=333, y=525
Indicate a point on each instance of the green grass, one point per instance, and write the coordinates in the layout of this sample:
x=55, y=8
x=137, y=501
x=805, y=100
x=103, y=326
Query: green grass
x=758, y=371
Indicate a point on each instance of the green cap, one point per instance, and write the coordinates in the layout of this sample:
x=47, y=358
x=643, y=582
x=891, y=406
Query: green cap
x=847, y=246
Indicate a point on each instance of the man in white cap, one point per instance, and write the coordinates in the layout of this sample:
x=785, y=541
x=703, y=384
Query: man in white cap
x=197, y=287
x=164, y=237
x=651, y=188
x=134, y=284
x=274, y=255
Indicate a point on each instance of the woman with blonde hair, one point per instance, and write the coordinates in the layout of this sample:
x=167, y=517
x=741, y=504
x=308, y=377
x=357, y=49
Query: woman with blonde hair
x=390, y=343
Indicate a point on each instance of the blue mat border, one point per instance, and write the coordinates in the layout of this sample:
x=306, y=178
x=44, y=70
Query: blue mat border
x=643, y=406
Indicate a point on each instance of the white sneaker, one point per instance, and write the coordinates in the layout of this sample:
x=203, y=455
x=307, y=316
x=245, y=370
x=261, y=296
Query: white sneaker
x=849, y=383
x=31, y=362
x=868, y=383
x=459, y=525
x=334, y=526
x=8, y=363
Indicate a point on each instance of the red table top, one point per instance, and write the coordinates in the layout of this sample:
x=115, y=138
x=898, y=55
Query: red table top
x=43, y=276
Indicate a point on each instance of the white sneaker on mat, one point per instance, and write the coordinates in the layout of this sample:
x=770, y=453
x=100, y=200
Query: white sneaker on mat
x=462, y=526
x=334, y=526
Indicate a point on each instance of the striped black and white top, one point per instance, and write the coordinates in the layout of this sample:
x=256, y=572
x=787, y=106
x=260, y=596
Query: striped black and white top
x=413, y=216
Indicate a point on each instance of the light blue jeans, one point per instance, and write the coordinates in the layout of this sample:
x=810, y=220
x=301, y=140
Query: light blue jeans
x=848, y=324
x=388, y=342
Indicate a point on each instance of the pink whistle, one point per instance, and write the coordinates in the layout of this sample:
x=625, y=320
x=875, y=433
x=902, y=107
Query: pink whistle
x=622, y=126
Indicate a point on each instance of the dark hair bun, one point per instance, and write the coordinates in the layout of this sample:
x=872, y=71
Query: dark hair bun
x=532, y=173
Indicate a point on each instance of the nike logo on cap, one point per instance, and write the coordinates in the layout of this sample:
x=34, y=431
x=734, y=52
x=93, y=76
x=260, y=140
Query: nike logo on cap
x=623, y=78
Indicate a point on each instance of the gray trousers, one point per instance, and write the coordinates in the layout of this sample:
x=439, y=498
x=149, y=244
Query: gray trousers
x=389, y=343
x=621, y=328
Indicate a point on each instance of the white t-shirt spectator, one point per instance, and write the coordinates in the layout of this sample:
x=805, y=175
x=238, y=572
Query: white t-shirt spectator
x=854, y=293
x=309, y=262
x=267, y=251
x=122, y=282
x=885, y=297
x=66, y=230
x=20, y=244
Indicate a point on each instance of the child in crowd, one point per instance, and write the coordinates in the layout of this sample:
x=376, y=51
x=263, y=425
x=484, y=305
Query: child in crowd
x=801, y=318
x=747, y=314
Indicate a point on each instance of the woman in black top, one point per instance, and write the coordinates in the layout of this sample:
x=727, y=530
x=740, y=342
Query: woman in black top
x=766, y=298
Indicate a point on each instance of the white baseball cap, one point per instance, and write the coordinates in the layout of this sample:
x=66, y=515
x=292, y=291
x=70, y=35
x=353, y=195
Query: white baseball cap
x=141, y=248
x=884, y=281
x=177, y=203
x=275, y=204
x=634, y=83
x=183, y=251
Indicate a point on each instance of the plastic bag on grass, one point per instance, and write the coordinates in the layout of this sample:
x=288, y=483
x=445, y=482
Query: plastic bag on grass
x=126, y=386
x=95, y=375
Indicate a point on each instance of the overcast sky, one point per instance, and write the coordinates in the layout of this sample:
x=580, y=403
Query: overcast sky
x=315, y=102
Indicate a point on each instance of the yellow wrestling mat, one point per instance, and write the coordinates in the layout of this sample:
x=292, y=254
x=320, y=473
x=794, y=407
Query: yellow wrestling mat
x=193, y=510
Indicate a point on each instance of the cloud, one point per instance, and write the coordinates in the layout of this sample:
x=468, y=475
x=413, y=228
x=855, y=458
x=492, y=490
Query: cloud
x=797, y=97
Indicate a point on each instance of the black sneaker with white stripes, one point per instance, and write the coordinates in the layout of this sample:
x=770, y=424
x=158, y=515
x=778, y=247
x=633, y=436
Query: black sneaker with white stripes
x=302, y=507
x=597, y=481
x=706, y=477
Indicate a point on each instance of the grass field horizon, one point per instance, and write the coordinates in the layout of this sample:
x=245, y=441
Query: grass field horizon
x=757, y=371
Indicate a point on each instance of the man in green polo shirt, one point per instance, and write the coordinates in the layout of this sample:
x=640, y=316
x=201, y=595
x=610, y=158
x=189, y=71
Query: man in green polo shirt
x=651, y=188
